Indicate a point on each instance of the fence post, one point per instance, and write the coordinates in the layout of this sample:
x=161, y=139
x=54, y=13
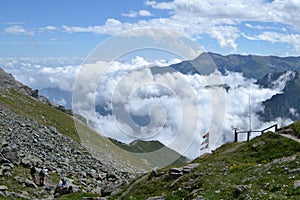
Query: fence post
x=248, y=136
x=235, y=135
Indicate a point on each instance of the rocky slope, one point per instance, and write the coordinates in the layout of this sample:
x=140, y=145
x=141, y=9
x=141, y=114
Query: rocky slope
x=25, y=142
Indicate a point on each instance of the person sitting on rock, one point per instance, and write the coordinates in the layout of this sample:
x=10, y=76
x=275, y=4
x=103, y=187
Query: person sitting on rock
x=62, y=188
x=64, y=182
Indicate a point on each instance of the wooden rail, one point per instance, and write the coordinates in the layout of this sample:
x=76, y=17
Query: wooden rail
x=275, y=125
x=249, y=132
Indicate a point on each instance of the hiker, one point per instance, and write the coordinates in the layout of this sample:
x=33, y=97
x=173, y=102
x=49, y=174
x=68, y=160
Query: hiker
x=32, y=172
x=42, y=174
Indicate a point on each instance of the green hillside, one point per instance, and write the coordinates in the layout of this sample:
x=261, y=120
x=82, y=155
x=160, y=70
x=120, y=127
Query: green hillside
x=154, y=151
x=29, y=107
x=267, y=167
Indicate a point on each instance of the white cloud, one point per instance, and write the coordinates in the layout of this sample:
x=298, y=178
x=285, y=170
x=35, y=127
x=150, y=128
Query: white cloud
x=111, y=27
x=218, y=19
x=294, y=112
x=39, y=73
x=145, y=13
x=17, y=30
x=130, y=14
x=149, y=3
x=226, y=36
x=292, y=39
x=48, y=28
x=142, y=13
x=244, y=10
x=260, y=27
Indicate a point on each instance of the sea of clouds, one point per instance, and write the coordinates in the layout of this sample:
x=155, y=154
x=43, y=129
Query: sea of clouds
x=129, y=101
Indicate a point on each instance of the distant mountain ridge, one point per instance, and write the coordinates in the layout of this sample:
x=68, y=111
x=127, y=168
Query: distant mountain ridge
x=252, y=66
x=264, y=69
x=145, y=150
x=286, y=104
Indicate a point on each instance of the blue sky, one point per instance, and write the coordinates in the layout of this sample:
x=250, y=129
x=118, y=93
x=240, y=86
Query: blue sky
x=73, y=28
x=39, y=41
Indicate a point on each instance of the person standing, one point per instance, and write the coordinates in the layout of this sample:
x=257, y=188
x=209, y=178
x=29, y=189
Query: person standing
x=32, y=172
x=42, y=177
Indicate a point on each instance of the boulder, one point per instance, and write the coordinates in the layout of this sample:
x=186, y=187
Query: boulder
x=59, y=191
x=26, y=162
x=108, y=190
x=297, y=184
x=176, y=170
x=174, y=173
x=5, y=171
x=4, y=143
x=238, y=190
x=12, y=155
x=111, y=177
x=30, y=183
x=92, y=174
x=3, y=188
x=188, y=168
x=4, y=160
x=97, y=190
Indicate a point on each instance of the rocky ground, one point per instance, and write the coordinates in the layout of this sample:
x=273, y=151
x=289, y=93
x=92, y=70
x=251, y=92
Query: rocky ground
x=25, y=142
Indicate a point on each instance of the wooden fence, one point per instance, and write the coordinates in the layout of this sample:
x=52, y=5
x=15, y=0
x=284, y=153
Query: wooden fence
x=249, y=132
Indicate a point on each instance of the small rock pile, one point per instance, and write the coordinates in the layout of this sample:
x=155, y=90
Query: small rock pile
x=25, y=142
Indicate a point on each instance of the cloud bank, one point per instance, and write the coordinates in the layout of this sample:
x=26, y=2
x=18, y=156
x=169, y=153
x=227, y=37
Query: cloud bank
x=134, y=102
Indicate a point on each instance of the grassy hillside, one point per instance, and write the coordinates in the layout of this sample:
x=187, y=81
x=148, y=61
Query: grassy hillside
x=155, y=152
x=264, y=168
x=296, y=127
x=31, y=108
